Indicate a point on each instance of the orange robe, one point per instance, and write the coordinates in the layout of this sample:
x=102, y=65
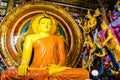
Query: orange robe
x=49, y=50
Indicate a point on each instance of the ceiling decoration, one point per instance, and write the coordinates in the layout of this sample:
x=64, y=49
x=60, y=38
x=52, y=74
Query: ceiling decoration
x=86, y=4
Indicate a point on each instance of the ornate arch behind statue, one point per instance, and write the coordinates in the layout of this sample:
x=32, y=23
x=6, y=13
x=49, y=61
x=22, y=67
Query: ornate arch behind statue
x=18, y=20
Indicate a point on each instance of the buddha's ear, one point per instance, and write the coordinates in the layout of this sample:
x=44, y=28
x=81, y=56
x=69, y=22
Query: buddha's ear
x=54, y=25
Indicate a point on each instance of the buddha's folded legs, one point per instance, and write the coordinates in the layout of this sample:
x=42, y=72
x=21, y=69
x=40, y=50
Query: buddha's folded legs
x=70, y=74
x=12, y=74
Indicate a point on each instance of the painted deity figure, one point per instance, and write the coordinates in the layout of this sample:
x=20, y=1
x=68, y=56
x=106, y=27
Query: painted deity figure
x=112, y=41
x=48, y=58
x=107, y=43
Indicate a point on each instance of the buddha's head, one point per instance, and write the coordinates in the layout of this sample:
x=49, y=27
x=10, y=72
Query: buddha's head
x=44, y=23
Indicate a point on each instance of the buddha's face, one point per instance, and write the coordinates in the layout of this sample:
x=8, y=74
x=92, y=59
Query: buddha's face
x=45, y=25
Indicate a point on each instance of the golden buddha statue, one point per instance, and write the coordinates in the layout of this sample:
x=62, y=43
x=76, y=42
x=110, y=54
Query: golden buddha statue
x=48, y=58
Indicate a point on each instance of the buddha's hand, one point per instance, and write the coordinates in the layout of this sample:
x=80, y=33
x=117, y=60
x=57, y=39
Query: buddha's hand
x=53, y=69
x=22, y=70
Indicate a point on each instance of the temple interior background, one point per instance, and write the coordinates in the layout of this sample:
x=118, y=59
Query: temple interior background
x=78, y=8
x=108, y=69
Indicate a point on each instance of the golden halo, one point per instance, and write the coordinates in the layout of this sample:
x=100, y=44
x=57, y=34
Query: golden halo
x=35, y=23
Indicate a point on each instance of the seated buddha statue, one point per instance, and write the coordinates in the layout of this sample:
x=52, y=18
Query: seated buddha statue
x=48, y=56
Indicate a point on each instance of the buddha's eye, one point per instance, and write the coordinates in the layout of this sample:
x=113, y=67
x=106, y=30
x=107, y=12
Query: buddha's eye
x=42, y=22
